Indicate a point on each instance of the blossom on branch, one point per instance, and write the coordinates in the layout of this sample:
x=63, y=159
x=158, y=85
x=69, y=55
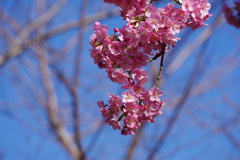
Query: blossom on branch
x=148, y=32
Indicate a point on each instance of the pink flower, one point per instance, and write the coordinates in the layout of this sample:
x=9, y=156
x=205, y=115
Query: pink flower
x=120, y=76
x=127, y=33
x=148, y=48
x=100, y=59
x=198, y=11
x=128, y=86
x=100, y=104
x=96, y=55
x=139, y=60
x=130, y=107
x=117, y=75
x=151, y=9
x=169, y=38
x=140, y=75
x=123, y=54
x=131, y=121
x=127, y=131
x=116, y=100
x=152, y=110
x=114, y=123
x=125, y=62
x=138, y=89
x=115, y=104
x=100, y=31
x=176, y=27
x=116, y=47
x=152, y=95
x=128, y=97
x=153, y=21
x=144, y=31
x=237, y=6
x=155, y=94
x=131, y=13
x=106, y=112
x=229, y=15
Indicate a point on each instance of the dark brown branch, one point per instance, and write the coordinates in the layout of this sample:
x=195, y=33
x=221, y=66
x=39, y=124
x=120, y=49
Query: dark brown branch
x=180, y=105
x=158, y=54
x=161, y=66
x=120, y=118
x=139, y=133
x=154, y=58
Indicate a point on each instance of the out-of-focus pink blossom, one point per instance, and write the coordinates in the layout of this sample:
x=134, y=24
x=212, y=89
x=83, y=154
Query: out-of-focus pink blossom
x=232, y=15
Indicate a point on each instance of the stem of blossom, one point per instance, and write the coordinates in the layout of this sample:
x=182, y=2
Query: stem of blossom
x=161, y=66
x=120, y=118
x=154, y=58
x=158, y=55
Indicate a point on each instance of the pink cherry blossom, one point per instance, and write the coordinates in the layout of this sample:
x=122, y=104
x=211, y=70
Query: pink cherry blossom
x=131, y=121
x=114, y=123
x=130, y=107
x=100, y=104
x=232, y=15
x=148, y=32
x=138, y=89
x=140, y=75
x=155, y=94
x=125, y=62
x=128, y=97
x=114, y=104
x=115, y=47
x=119, y=76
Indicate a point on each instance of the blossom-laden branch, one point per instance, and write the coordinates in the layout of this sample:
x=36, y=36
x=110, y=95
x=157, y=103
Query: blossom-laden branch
x=148, y=32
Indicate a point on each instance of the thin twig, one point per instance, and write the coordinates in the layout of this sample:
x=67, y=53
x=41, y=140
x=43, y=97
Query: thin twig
x=16, y=45
x=158, y=54
x=59, y=129
x=161, y=66
x=178, y=108
x=75, y=81
x=154, y=58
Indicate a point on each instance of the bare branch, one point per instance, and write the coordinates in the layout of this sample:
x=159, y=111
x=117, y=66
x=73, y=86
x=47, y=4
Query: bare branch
x=134, y=143
x=179, y=106
x=16, y=45
x=52, y=108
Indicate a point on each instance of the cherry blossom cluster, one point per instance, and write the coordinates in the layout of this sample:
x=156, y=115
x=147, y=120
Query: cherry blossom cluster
x=136, y=106
x=232, y=14
x=148, y=32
